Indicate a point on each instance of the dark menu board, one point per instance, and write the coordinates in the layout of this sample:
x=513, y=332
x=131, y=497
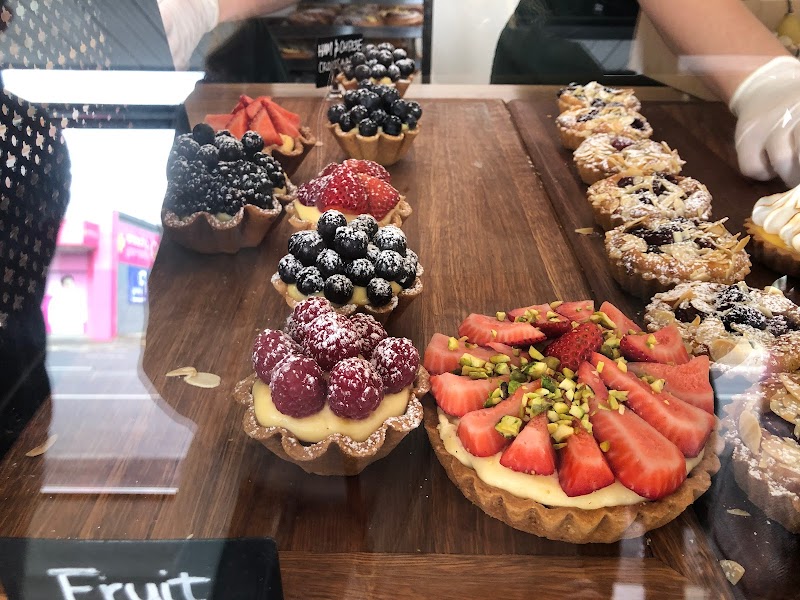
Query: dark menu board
x=331, y=52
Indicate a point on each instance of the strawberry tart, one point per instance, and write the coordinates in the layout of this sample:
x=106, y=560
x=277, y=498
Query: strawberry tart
x=571, y=423
x=354, y=187
x=332, y=394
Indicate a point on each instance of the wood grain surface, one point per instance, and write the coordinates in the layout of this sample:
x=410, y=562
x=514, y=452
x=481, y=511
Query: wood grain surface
x=493, y=231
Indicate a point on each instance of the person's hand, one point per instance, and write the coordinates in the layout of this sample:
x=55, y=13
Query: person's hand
x=767, y=104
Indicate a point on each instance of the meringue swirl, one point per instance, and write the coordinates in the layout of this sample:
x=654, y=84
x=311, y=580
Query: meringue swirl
x=779, y=214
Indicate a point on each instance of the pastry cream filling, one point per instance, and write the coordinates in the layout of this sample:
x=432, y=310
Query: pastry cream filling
x=779, y=214
x=317, y=427
x=359, y=293
x=312, y=214
x=543, y=489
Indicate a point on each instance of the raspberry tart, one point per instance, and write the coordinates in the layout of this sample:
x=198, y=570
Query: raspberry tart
x=732, y=324
x=774, y=229
x=283, y=135
x=594, y=94
x=603, y=155
x=332, y=394
x=575, y=125
x=222, y=194
x=375, y=123
x=354, y=187
x=356, y=266
x=381, y=64
x=629, y=195
x=551, y=431
x=653, y=254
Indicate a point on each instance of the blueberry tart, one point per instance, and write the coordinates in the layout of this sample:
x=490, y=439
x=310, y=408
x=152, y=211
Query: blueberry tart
x=577, y=124
x=383, y=64
x=604, y=154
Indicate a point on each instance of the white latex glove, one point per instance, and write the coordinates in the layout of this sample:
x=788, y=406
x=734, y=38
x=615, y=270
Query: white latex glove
x=767, y=104
x=185, y=23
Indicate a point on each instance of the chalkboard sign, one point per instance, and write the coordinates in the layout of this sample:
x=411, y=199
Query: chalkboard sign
x=330, y=53
x=33, y=569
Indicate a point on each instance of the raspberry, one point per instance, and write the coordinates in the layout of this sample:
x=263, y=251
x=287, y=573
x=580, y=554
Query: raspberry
x=355, y=389
x=396, y=360
x=293, y=329
x=297, y=386
x=369, y=330
x=331, y=338
x=270, y=348
x=304, y=312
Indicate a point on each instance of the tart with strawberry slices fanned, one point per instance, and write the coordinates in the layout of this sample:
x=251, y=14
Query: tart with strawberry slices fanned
x=332, y=394
x=354, y=187
x=571, y=423
x=284, y=137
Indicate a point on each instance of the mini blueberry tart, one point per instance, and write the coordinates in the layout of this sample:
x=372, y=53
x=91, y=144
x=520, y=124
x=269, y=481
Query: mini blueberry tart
x=595, y=94
x=577, y=124
x=382, y=64
x=763, y=426
x=653, y=254
x=603, y=154
x=620, y=198
x=732, y=324
x=222, y=195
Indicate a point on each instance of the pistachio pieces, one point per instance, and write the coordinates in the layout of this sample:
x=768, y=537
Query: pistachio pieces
x=733, y=570
x=193, y=377
x=41, y=449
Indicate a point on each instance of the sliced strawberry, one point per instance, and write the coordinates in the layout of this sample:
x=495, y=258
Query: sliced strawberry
x=576, y=346
x=381, y=196
x=282, y=124
x=476, y=429
x=510, y=351
x=238, y=124
x=330, y=169
x=576, y=311
x=262, y=124
x=623, y=324
x=663, y=346
x=368, y=167
x=293, y=118
x=244, y=102
x=310, y=192
x=457, y=395
x=482, y=329
x=531, y=451
x=686, y=426
x=217, y=122
x=552, y=326
x=639, y=456
x=440, y=359
x=582, y=468
x=253, y=109
x=343, y=191
x=689, y=381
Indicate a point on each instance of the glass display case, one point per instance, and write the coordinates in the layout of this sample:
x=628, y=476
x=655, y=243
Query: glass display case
x=500, y=314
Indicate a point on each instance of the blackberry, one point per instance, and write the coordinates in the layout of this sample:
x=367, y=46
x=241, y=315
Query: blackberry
x=338, y=289
x=186, y=146
x=178, y=172
x=378, y=72
x=393, y=72
x=414, y=109
x=372, y=252
x=730, y=297
x=252, y=143
x=619, y=143
x=637, y=124
x=588, y=116
x=744, y=315
x=366, y=223
x=704, y=243
x=389, y=265
x=329, y=263
x=688, y=313
x=230, y=149
x=335, y=112
x=306, y=246
x=778, y=325
x=399, y=54
x=367, y=127
x=392, y=125
x=379, y=292
x=351, y=98
x=350, y=243
x=357, y=113
x=328, y=223
x=208, y=155
x=288, y=268
x=391, y=238
x=598, y=103
x=654, y=237
x=203, y=134
x=651, y=249
x=625, y=182
x=309, y=281
x=360, y=271
x=379, y=116
x=408, y=273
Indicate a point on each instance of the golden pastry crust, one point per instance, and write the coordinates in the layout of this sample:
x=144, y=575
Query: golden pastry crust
x=700, y=252
x=574, y=525
x=704, y=332
x=582, y=96
x=290, y=161
x=772, y=251
x=577, y=124
x=401, y=212
x=337, y=454
x=767, y=466
x=620, y=198
x=381, y=148
x=602, y=155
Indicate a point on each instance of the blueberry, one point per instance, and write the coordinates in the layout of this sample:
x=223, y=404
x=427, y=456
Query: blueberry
x=408, y=273
x=329, y=263
x=348, y=71
x=414, y=109
x=338, y=289
x=358, y=58
x=379, y=292
x=203, y=134
x=328, y=223
x=358, y=112
x=360, y=271
x=389, y=96
x=393, y=72
x=385, y=58
x=370, y=100
x=288, y=268
x=366, y=85
x=306, y=246
x=346, y=122
x=406, y=67
x=221, y=134
x=335, y=112
x=385, y=46
x=399, y=54
x=350, y=243
x=370, y=53
x=378, y=72
x=389, y=265
x=372, y=252
x=362, y=72
x=252, y=143
x=367, y=127
x=392, y=125
x=351, y=98
x=309, y=281
x=369, y=48
x=391, y=238
x=379, y=116
x=411, y=121
x=366, y=223
x=412, y=256
x=399, y=108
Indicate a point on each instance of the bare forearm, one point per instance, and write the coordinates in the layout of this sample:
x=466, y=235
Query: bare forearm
x=235, y=10
x=720, y=40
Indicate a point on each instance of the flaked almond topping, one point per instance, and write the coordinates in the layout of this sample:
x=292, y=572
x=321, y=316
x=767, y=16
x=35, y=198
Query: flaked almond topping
x=41, y=449
x=738, y=512
x=204, y=380
x=733, y=570
x=182, y=372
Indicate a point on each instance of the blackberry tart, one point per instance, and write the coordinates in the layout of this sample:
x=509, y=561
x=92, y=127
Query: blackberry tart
x=357, y=266
x=222, y=194
x=382, y=64
x=732, y=324
x=375, y=123
x=653, y=254
x=577, y=124
x=604, y=154
x=595, y=94
x=625, y=196
x=332, y=394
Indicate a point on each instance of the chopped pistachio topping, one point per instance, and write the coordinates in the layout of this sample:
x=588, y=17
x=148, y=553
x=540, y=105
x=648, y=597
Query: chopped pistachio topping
x=622, y=364
x=556, y=303
x=568, y=373
x=535, y=354
x=651, y=341
x=599, y=367
x=502, y=369
x=562, y=432
x=452, y=344
x=500, y=358
x=552, y=362
x=501, y=316
x=657, y=386
x=494, y=333
x=602, y=319
x=509, y=426
x=605, y=446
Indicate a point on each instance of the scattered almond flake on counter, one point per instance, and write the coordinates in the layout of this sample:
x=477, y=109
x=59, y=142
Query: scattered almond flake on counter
x=203, y=380
x=39, y=450
x=182, y=372
x=732, y=569
x=738, y=512
x=585, y=230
